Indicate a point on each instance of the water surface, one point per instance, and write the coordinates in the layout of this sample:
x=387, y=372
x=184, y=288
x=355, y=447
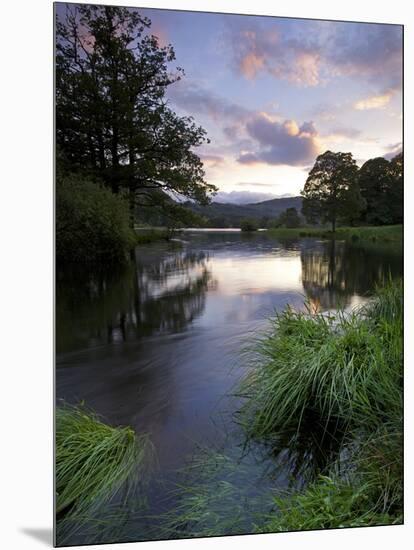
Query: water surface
x=157, y=345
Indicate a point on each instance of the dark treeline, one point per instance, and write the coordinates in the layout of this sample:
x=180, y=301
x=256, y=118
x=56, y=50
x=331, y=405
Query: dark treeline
x=336, y=191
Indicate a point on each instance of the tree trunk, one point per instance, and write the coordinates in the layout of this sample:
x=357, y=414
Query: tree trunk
x=132, y=208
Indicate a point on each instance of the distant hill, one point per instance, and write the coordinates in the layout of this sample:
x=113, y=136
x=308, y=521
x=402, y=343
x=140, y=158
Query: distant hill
x=229, y=215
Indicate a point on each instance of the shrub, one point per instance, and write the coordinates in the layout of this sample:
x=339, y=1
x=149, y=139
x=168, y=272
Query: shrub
x=92, y=224
x=248, y=225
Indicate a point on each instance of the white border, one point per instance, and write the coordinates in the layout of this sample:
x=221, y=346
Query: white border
x=27, y=278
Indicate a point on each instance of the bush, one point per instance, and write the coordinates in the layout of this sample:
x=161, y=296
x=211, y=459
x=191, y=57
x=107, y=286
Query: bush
x=92, y=224
x=248, y=225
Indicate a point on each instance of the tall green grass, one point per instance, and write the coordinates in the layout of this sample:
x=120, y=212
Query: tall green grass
x=97, y=467
x=345, y=370
x=379, y=234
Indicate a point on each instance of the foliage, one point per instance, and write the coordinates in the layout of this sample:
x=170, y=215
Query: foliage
x=94, y=461
x=248, y=224
x=365, y=234
x=230, y=215
x=92, y=224
x=343, y=367
x=290, y=218
x=159, y=209
x=381, y=186
x=331, y=191
x=347, y=371
x=327, y=503
x=147, y=235
x=112, y=118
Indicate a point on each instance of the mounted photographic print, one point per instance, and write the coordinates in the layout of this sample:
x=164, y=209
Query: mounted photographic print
x=229, y=323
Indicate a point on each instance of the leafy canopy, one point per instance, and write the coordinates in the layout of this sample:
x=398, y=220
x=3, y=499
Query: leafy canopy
x=112, y=116
x=331, y=191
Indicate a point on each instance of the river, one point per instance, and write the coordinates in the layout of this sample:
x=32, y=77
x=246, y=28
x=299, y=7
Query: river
x=159, y=345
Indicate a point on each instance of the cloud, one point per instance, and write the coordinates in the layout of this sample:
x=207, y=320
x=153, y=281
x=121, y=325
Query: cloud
x=212, y=161
x=344, y=132
x=280, y=142
x=248, y=158
x=243, y=197
x=326, y=112
x=196, y=100
x=369, y=51
x=312, y=53
x=374, y=101
x=248, y=184
x=393, y=150
x=257, y=48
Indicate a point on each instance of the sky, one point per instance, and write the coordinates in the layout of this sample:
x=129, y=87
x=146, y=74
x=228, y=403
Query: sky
x=273, y=93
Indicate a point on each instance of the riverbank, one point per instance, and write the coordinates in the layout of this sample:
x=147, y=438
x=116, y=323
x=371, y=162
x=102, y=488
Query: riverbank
x=384, y=233
x=147, y=235
x=345, y=373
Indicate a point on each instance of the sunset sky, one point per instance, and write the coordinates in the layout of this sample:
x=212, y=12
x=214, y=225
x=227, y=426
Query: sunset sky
x=273, y=93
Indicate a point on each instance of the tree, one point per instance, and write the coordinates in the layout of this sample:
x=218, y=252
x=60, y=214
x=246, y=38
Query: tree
x=331, y=191
x=112, y=117
x=396, y=192
x=289, y=218
x=374, y=180
x=381, y=185
x=248, y=224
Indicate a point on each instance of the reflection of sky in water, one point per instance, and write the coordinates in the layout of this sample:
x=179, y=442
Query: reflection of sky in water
x=250, y=287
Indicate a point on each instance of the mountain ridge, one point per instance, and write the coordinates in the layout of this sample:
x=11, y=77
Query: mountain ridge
x=230, y=214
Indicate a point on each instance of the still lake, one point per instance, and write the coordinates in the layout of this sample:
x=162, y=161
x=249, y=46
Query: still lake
x=158, y=345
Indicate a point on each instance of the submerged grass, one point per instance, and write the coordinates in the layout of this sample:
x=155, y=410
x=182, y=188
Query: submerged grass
x=327, y=385
x=217, y=496
x=345, y=370
x=96, y=465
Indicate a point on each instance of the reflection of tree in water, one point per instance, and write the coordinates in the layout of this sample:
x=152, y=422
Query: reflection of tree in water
x=334, y=271
x=140, y=300
x=169, y=295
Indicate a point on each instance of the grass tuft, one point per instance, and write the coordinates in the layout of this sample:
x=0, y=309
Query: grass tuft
x=94, y=461
x=346, y=371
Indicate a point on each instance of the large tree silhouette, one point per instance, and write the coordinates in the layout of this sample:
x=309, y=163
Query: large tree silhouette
x=112, y=117
x=381, y=185
x=331, y=191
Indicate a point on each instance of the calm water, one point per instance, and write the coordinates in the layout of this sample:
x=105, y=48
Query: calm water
x=157, y=345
